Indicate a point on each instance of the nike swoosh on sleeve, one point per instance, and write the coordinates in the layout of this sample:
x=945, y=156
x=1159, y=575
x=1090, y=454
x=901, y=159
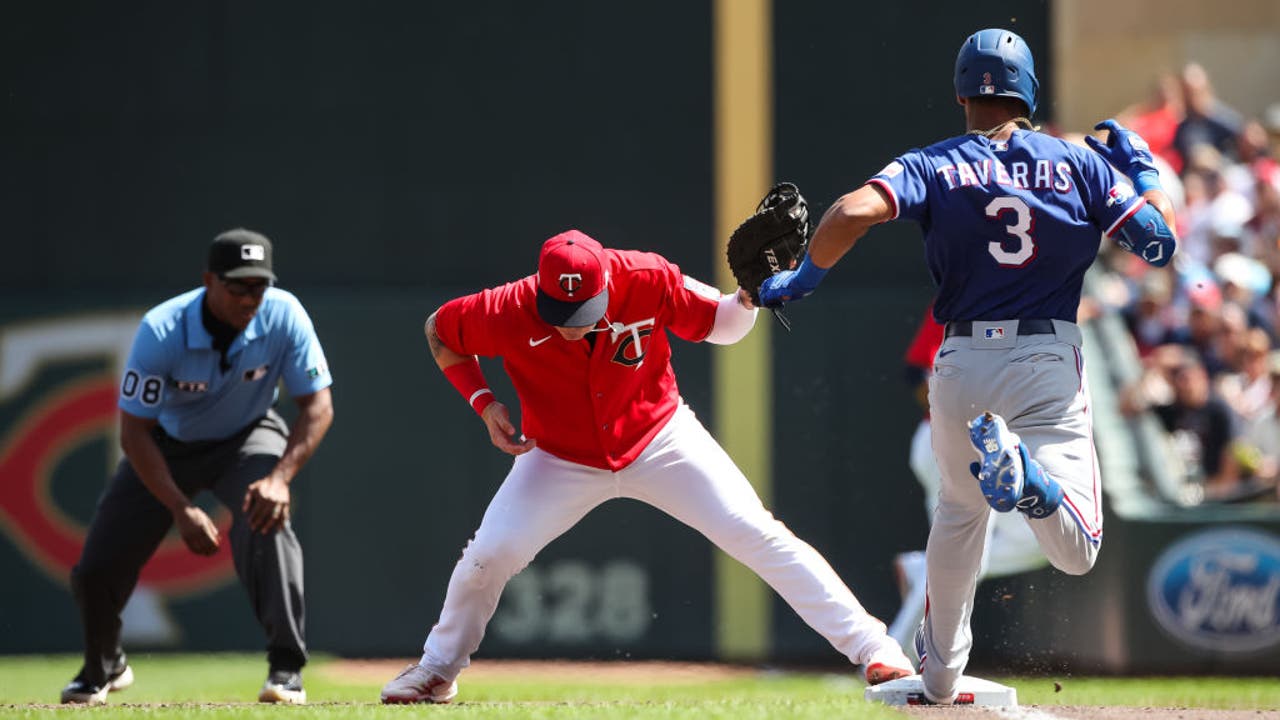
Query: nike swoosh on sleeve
x=536, y=343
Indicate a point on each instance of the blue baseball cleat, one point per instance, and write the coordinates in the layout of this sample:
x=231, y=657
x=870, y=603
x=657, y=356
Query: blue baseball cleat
x=1000, y=473
x=1008, y=475
x=1041, y=494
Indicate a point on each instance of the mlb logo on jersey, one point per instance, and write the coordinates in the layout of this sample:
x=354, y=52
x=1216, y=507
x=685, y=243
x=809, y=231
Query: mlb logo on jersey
x=993, y=333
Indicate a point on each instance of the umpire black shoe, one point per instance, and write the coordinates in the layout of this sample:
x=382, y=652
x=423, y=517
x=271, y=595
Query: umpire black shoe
x=82, y=691
x=283, y=686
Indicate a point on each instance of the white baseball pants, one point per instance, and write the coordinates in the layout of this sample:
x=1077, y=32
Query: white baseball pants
x=1037, y=383
x=683, y=472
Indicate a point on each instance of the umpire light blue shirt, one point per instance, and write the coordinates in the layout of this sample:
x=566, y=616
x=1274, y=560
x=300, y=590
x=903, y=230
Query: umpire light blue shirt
x=173, y=372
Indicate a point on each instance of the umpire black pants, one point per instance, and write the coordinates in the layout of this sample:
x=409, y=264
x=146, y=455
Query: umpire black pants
x=129, y=524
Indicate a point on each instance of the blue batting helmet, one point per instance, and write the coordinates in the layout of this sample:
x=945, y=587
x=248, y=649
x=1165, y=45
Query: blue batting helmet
x=996, y=62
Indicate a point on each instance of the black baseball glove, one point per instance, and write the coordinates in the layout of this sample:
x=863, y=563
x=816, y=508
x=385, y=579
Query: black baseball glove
x=770, y=241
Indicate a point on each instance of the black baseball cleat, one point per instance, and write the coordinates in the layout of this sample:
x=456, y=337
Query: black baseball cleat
x=283, y=686
x=82, y=691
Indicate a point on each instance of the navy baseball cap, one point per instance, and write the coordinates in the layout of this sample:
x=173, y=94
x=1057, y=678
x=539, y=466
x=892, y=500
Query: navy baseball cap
x=573, y=280
x=241, y=253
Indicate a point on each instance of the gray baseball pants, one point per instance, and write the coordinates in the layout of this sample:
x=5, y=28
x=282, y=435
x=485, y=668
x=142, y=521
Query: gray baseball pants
x=130, y=523
x=1037, y=384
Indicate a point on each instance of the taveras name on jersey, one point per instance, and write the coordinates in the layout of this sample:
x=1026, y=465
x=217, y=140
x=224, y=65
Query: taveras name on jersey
x=1009, y=226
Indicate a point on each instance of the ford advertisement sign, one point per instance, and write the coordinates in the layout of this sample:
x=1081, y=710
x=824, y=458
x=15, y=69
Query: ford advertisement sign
x=1219, y=590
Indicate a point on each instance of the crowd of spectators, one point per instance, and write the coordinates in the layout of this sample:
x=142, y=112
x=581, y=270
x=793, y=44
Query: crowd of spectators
x=1207, y=327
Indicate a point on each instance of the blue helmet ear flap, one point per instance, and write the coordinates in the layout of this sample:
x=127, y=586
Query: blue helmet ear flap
x=1035, y=87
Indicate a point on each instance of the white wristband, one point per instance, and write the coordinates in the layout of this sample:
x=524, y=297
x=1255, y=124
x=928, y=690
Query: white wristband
x=733, y=321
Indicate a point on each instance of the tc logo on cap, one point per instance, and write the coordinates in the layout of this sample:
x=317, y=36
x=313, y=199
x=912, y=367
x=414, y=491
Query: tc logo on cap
x=572, y=267
x=573, y=280
x=570, y=282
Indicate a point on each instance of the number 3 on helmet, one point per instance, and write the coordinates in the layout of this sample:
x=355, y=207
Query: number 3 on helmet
x=996, y=62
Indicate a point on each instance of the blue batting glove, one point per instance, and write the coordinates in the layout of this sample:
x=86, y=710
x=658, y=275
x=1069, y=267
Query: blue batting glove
x=776, y=289
x=1128, y=152
x=791, y=285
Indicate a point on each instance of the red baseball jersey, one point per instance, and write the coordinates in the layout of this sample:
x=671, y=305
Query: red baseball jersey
x=928, y=339
x=925, y=344
x=597, y=405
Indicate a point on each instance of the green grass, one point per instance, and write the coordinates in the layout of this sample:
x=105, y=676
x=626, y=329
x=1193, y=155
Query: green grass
x=225, y=686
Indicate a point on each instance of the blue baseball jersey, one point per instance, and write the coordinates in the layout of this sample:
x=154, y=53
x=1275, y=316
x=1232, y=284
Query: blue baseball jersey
x=173, y=373
x=1009, y=227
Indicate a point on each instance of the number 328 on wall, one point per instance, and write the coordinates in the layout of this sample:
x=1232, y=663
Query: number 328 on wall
x=571, y=603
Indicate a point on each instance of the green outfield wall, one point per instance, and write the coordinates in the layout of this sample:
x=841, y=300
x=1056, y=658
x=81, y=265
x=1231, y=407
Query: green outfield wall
x=402, y=480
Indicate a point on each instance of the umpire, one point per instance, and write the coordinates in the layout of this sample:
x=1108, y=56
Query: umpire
x=196, y=414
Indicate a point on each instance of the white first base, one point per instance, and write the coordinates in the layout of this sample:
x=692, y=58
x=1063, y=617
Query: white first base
x=972, y=691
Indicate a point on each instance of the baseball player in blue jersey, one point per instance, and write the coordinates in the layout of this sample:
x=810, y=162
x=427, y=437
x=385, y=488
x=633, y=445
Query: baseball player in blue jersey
x=1011, y=221
x=196, y=414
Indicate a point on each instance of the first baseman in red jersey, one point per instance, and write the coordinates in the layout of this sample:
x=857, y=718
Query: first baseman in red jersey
x=586, y=346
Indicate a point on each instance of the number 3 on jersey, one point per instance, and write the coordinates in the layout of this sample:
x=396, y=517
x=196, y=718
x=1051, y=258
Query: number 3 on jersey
x=1021, y=229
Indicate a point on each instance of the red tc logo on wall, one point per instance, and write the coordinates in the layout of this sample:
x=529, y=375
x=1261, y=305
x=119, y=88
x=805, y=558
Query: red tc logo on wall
x=62, y=418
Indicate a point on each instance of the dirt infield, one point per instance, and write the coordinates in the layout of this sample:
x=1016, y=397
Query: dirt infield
x=671, y=673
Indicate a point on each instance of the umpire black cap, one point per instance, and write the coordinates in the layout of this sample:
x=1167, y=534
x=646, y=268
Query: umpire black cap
x=241, y=253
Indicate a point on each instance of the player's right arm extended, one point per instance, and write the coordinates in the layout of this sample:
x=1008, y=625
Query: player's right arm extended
x=197, y=530
x=464, y=373
x=843, y=224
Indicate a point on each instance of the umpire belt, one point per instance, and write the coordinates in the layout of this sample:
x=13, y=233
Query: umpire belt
x=1039, y=326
